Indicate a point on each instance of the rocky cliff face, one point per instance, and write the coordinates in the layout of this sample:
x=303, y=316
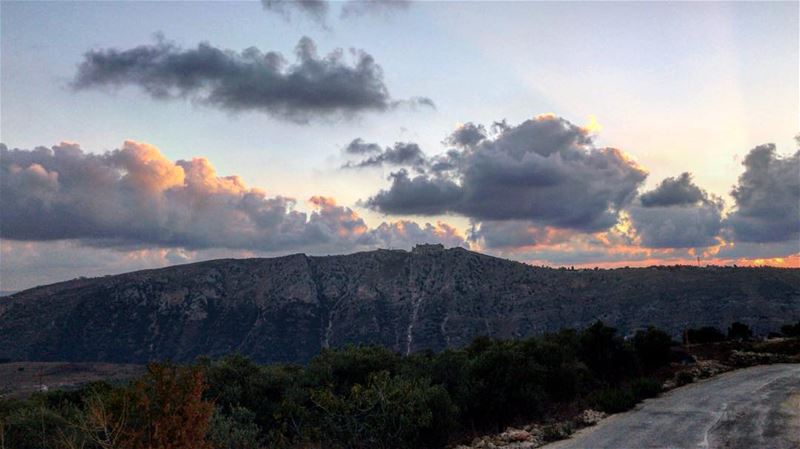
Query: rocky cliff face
x=288, y=308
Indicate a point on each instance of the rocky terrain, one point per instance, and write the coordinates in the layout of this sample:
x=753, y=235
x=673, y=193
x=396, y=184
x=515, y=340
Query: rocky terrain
x=288, y=308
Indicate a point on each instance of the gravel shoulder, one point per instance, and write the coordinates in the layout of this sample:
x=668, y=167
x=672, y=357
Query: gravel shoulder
x=757, y=407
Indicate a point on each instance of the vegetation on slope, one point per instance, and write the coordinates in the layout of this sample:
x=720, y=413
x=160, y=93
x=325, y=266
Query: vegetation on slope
x=356, y=397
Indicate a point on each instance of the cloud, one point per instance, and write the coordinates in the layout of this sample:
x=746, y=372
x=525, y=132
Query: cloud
x=694, y=226
x=405, y=234
x=401, y=154
x=767, y=198
x=678, y=191
x=677, y=214
x=546, y=171
x=467, y=135
x=358, y=146
x=354, y=8
x=312, y=87
x=318, y=10
x=418, y=196
x=516, y=234
x=135, y=197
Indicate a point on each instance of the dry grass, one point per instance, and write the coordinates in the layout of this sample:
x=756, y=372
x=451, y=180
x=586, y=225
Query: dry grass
x=20, y=379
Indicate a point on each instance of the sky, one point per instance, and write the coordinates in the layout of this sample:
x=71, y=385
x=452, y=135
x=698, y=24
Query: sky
x=144, y=134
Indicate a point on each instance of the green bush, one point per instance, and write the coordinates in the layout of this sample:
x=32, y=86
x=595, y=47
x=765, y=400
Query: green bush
x=556, y=432
x=645, y=387
x=236, y=430
x=343, y=368
x=371, y=397
x=605, y=353
x=684, y=378
x=390, y=412
x=613, y=400
x=27, y=425
x=707, y=334
x=739, y=331
x=791, y=330
x=652, y=348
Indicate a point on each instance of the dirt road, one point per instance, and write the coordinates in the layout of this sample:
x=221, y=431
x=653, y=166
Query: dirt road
x=753, y=408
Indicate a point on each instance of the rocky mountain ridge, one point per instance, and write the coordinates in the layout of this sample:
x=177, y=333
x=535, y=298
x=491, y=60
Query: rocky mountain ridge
x=289, y=308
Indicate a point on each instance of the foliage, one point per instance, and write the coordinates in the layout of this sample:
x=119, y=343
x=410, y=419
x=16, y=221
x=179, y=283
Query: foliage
x=161, y=410
x=168, y=410
x=645, y=387
x=613, y=400
x=387, y=412
x=707, y=334
x=684, y=378
x=791, y=330
x=652, y=348
x=235, y=430
x=556, y=432
x=605, y=353
x=349, y=398
x=739, y=331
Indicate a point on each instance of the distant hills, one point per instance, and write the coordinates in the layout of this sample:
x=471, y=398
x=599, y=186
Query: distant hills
x=288, y=308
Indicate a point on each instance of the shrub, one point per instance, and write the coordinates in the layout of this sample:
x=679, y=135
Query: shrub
x=167, y=409
x=236, y=430
x=343, y=368
x=707, y=334
x=791, y=330
x=613, y=400
x=652, y=348
x=684, y=378
x=504, y=382
x=389, y=412
x=645, y=387
x=739, y=331
x=556, y=432
x=605, y=353
x=31, y=426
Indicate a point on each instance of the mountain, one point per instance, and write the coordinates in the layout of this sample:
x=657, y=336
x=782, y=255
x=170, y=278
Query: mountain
x=288, y=308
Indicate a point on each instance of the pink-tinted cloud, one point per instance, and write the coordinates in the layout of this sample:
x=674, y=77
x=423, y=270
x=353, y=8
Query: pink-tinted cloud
x=136, y=197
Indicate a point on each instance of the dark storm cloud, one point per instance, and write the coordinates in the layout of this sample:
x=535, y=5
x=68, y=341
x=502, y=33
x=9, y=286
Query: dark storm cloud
x=680, y=191
x=545, y=170
x=767, y=198
x=677, y=214
x=467, y=136
x=418, y=196
x=401, y=154
x=312, y=87
x=694, y=226
x=134, y=196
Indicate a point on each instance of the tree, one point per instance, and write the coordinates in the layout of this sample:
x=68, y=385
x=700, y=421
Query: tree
x=605, y=353
x=706, y=334
x=652, y=348
x=791, y=330
x=739, y=331
x=236, y=430
x=169, y=411
x=389, y=412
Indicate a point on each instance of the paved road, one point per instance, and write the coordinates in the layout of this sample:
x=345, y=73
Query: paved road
x=753, y=408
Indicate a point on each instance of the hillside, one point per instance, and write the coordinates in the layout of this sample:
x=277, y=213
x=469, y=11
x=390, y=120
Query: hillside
x=288, y=308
